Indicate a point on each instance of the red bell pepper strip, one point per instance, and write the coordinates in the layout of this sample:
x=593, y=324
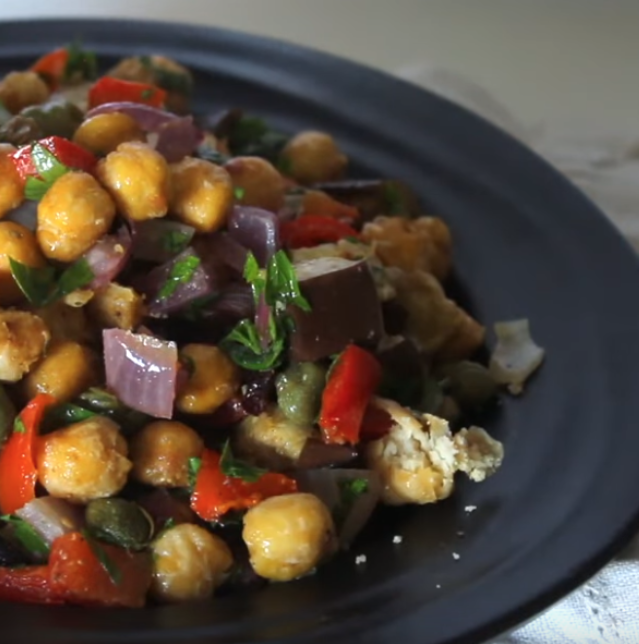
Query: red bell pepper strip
x=66, y=152
x=375, y=424
x=352, y=382
x=215, y=493
x=315, y=202
x=312, y=230
x=113, y=90
x=18, y=473
x=51, y=67
x=30, y=585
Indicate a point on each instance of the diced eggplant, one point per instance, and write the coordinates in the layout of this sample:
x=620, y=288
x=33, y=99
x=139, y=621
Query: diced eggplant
x=345, y=308
x=373, y=197
x=395, y=317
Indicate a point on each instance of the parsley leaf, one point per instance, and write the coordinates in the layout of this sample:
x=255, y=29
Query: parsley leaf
x=18, y=426
x=251, y=136
x=255, y=276
x=350, y=490
x=282, y=287
x=115, y=574
x=181, y=272
x=245, y=349
x=239, y=193
x=394, y=200
x=81, y=64
x=194, y=465
x=27, y=535
x=170, y=80
x=238, y=469
x=41, y=286
x=68, y=414
x=147, y=93
x=49, y=170
x=175, y=241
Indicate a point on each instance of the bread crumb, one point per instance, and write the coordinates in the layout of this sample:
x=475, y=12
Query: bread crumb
x=456, y=556
x=398, y=538
x=360, y=559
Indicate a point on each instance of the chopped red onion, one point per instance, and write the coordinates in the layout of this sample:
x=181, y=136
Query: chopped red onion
x=224, y=247
x=159, y=240
x=234, y=303
x=51, y=518
x=326, y=484
x=141, y=371
x=257, y=230
x=178, y=139
x=108, y=257
x=25, y=214
x=148, y=118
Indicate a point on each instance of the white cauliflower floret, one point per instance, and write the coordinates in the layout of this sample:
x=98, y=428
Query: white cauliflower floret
x=417, y=460
x=23, y=340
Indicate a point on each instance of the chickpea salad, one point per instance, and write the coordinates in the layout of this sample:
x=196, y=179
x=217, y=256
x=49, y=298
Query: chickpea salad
x=218, y=356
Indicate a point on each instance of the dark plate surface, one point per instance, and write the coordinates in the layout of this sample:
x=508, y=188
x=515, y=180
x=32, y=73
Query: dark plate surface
x=527, y=245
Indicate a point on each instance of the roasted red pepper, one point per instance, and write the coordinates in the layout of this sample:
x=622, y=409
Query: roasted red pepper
x=30, y=585
x=312, y=230
x=215, y=493
x=354, y=379
x=375, y=424
x=51, y=66
x=113, y=90
x=18, y=473
x=315, y=202
x=66, y=152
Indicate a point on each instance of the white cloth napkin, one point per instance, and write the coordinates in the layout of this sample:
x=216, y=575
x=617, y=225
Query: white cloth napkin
x=606, y=609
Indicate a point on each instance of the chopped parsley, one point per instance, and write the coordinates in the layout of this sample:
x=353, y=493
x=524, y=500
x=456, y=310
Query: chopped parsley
x=350, y=490
x=170, y=80
x=251, y=136
x=30, y=539
x=175, y=241
x=181, y=273
x=239, y=193
x=238, y=469
x=81, y=64
x=115, y=574
x=18, y=426
x=194, y=467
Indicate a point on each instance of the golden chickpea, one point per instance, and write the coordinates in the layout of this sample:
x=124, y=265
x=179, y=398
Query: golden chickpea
x=201, y=194
x=160, y=452
x=67, y=323
x=21, y=89
x=73, y=214
x=138, y=179
x=116, y=306
x=18, y=243
x=103, y=133
x=287, y=536
x=312, y=157
x=214, y=379
x=259, y=183
x=11, y=185
x=189, y=563
x=23, y=340
x=67, y=369
x=84, y=461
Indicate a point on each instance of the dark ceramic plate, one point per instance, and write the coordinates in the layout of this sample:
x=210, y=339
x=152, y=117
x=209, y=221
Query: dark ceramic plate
x=527, y=245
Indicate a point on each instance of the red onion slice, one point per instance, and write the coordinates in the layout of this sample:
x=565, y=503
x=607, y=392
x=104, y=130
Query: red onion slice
x=178, y=139
x=141, y=371
x=25, y=214
x=150, y=119
x=226, y=249
x=159, y=240
x=257, y=230
x=108, y=257
x=51, y=517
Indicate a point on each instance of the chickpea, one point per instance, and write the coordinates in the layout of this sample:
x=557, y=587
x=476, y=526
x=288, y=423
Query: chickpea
x=116, y=306
x=160, y=452
x=19, y=243
x=261, y=184
x=21, y=89
x=65, y=372
x=74, y=213
x=138, y=179
x=189, y=563
x=84, y=461
x=103, y=133
x=11, y=185
x=288, y=535
x=214, y=379
x=23, y=340
x=67, y=323
x=201, y=194
x=313, y=157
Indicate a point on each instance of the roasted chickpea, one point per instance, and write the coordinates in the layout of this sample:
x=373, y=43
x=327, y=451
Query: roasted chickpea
x=23, y=340
x=74, y=213
x=21, y=89
x=84, y=461
x=259, y=183
x=67, y=323
x=213, y=380
x=312, y=157
x=189, y=563
x=67, y=369
x=116, y=306
x=18, y=243
x=138, y=179
x=11, y=185
x=288, y=535
x=160, y=452
x=103, y=133
x=201, y=194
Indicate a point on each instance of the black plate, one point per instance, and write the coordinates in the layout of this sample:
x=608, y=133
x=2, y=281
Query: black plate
x=527, y=245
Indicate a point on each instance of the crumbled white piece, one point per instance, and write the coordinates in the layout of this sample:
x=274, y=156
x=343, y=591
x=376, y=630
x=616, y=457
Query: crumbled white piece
x=456, y=556
x=360, y=559
x=470, y=508
x=398, y=538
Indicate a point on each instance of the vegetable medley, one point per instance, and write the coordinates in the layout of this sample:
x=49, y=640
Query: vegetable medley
x=218, y=355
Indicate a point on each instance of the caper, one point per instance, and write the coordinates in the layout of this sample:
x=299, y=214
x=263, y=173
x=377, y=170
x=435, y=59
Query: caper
x=55, y=118
x=20, y=130
x=299, y=391
x=432, y=396
x=123, y=523
x=469, y=383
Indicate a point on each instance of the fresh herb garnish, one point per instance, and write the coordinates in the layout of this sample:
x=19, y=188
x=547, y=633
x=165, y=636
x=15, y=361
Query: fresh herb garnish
x=68, y=414
x=181, y=272
x=245, y=348
x=282, y=287
x=194, y=466
x=81, y=64
x=43, y=285
x=394, y=200
x=49, y=170
x=27, y=535
x=208, y=153
x=251, y=136
x=175, y=241
x=171, y=81
x=115, y=574
x=238, y=469
x=145, y=94
x=18, y=426
x=239, y=193
x=350, y=490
